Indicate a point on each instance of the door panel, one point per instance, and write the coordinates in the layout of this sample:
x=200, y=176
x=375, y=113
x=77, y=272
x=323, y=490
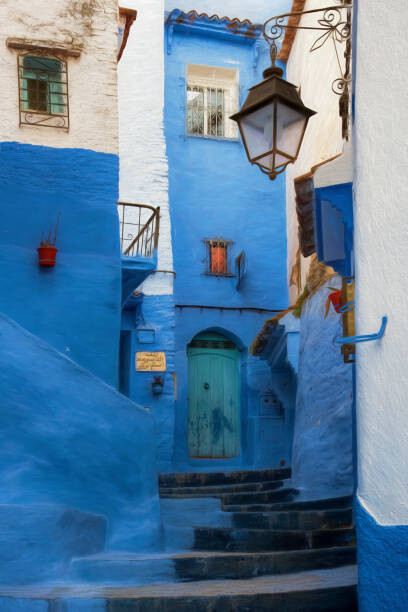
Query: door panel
x=213, y=427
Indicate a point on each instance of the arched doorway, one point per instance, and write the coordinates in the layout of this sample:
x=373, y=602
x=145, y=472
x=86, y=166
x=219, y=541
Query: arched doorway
x=213, y=403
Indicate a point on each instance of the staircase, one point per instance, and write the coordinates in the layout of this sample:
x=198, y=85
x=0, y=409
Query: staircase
x=282, y=553
x=236, y=541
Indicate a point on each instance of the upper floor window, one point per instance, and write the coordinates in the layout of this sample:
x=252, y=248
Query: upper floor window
x=212, y=96
x=43, y=91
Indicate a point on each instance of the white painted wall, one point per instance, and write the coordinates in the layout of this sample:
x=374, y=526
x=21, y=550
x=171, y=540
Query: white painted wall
x=314, y=73
x=381, y=246
x=143, y=161
x=92, y=26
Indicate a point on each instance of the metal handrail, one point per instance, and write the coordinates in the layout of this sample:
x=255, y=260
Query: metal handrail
x=139, y=228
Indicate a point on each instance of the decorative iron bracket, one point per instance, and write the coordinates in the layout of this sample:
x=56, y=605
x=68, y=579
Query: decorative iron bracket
x=366, y=337
x=335, y=28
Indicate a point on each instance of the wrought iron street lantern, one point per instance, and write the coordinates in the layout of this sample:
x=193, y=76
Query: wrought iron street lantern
x=273, y=121
x=273, y=118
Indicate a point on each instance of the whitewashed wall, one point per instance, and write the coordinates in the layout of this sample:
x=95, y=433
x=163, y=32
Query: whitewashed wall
x=92, y=27
x=143, y=161
x=381, y=247
x=314, y=73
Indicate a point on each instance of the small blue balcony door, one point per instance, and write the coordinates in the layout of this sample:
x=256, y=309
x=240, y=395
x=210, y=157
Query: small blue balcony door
x=213, y=406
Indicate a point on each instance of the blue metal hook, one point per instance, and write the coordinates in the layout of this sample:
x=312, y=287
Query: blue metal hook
x=347, y=307
x=367, y=337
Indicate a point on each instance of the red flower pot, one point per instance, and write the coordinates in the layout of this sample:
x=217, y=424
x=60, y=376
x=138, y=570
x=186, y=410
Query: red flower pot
x=335, y=299
x=46, y=256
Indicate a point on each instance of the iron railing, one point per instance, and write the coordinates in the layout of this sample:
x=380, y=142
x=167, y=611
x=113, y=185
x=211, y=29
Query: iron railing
x=139, y=229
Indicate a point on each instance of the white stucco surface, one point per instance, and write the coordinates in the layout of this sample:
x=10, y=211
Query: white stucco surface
x=143, y=161
x=314, y=72
x=91, y=26
x=381, y=246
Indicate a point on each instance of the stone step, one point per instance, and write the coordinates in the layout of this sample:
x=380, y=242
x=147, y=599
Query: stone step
x=330, y=590
x=262, y=497
x=193, y=479
x=258, y=540
x=221, y=565
x=137, y=570
x=295, y=519
x=216, y=490
x=321, y=504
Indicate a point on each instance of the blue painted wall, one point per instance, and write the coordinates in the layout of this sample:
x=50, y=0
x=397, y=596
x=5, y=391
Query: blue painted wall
x=77, y=459
x=255, y=381
x=68, y=439
x=213, y=192
x=324, y=404
x=150, y=322
x=76, y=305
x=382, y=564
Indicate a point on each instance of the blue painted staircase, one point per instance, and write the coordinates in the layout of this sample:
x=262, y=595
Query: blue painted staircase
x=236, y=541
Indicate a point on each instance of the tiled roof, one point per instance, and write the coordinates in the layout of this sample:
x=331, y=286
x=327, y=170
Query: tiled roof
x=231, y=25
x=129, y=15
x=192, y=15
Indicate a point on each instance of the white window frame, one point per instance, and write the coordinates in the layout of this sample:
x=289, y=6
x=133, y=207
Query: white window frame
x=231, y=103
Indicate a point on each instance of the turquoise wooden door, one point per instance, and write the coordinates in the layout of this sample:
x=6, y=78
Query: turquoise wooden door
x=213, y=406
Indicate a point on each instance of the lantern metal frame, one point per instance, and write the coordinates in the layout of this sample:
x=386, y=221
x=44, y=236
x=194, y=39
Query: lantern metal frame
x=335, y=27
x=273, y=90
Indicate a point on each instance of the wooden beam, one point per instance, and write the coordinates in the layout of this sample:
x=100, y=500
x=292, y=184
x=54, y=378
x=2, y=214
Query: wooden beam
x=294, y=20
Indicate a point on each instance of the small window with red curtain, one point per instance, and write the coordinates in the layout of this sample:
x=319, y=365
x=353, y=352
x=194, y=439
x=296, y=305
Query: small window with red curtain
x=218, y=257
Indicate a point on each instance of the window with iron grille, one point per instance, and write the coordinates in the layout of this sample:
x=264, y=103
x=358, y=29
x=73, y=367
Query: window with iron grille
x=43, y=91
x=212, y=96
x=218, y=257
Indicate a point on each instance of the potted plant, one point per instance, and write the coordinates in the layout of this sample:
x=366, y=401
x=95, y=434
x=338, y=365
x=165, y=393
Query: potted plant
x=47, y=252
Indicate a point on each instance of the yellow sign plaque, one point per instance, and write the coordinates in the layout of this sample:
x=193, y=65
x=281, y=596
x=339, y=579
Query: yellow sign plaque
x=151, y=362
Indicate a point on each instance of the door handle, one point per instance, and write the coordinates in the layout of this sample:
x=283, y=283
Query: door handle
x=206, y=385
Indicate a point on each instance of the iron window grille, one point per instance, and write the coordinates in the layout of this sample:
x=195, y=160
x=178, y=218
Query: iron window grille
x=43, y=90
x=212, y=96
x=206, y=111
x=218, y=257
x=214, y=344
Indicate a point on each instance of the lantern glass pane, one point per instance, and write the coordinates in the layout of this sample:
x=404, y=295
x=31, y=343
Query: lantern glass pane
x=290, y=127
x=270, y=163
x=257, y=129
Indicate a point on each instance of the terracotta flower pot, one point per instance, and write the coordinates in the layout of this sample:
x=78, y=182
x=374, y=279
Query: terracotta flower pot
x=335, y=299
x=46, y=256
